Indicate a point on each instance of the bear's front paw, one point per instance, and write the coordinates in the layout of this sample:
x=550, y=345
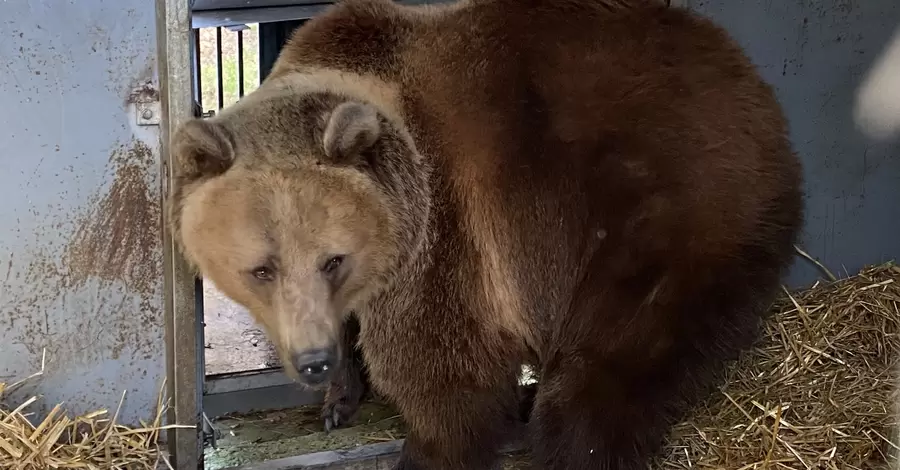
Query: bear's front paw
x=340, y=409
x=344, y=397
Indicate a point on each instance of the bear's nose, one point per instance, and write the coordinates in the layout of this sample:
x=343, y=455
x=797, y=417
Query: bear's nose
x=315, y=366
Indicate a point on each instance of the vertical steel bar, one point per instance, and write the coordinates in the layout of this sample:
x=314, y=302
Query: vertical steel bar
x=173, y=20
x=220, y=79
x=198, y=79
x=240, y=63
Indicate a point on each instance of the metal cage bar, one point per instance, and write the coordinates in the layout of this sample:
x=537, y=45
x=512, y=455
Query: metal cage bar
x=220, y=79
x=240, y=63
x=198, y=85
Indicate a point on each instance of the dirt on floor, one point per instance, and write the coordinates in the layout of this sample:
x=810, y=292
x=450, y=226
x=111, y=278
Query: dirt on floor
x=232, y=339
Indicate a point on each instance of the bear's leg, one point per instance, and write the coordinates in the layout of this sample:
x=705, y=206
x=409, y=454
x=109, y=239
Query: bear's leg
x=350, y=384
x=459, y=428
x=585, y=417
x=624, y=370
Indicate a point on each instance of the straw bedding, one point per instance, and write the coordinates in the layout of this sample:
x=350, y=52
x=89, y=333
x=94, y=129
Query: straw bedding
x=818, y=392
x=92, y=442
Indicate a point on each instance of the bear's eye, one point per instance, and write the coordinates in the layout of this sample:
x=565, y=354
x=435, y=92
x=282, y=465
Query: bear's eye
x=332, y=264
x=264, y=273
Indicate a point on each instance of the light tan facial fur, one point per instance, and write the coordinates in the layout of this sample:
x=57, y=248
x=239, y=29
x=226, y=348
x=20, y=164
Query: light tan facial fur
x=276, y=189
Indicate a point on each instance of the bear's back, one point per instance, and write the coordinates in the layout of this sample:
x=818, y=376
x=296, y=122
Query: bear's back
x=575, y=129
x=629, y=103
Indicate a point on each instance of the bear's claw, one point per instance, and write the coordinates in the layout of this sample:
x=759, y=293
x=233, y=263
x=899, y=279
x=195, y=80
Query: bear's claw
x=343, y=399
x=337, y=415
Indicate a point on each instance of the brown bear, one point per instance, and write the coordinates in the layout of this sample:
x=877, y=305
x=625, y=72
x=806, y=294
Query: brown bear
x=604, y=189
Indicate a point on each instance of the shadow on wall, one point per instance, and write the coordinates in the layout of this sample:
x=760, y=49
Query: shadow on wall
x=877, y=107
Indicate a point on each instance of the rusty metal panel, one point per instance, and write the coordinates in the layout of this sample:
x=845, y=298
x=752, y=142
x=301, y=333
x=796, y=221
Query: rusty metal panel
x=817, y=54
x=81, y=246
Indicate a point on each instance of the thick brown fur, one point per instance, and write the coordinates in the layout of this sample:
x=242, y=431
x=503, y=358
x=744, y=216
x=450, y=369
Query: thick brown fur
x=604, y=189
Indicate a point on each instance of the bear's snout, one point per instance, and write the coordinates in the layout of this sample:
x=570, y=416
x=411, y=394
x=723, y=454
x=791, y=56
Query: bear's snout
x=315, y=366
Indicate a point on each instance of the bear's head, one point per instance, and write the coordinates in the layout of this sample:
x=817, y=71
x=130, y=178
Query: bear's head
x=300, y=206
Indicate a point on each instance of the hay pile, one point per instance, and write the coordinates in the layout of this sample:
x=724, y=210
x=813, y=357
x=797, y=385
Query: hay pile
x=91, y=442
x=819, y=392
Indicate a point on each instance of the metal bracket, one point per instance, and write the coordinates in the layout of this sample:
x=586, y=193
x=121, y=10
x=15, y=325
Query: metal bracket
x=148, y=114
x=209, y=431
x=147, y=107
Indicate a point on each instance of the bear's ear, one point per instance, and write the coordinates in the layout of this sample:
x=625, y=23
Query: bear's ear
x=352, y=129
x=202, y=148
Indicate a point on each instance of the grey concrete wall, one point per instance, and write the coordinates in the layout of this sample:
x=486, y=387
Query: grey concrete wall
x=80, y=251
x=816, y=54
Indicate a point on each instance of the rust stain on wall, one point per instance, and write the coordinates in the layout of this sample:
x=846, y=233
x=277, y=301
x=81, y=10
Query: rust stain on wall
x=64, y=298
x=143, y=92
x=119, y=238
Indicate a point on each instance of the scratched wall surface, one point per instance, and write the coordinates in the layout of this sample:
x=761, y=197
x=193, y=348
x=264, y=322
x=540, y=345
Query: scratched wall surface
x=816, y=54
x=80, y=222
